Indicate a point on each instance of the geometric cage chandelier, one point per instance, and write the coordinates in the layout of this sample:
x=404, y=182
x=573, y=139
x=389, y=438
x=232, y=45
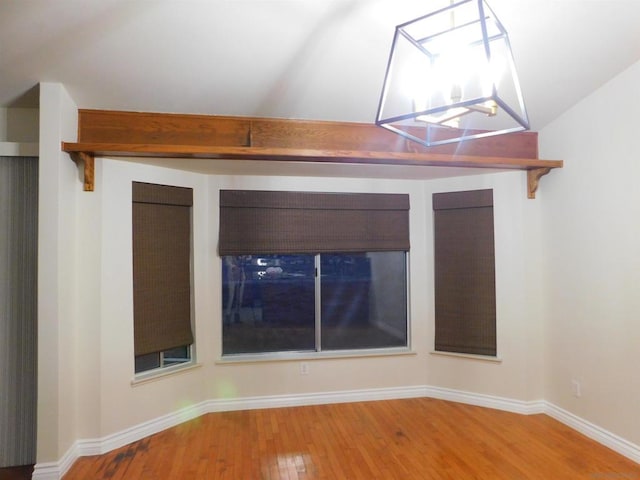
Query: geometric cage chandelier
x=451, y=77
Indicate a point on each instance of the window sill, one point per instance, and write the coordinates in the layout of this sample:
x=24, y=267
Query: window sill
x=483, y=358
x=157, y=374
x=292, y=356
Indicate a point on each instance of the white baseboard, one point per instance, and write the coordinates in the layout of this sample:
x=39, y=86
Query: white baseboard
x=252, y=403
x=600, y=435
x=489, y=401
x=55, y=470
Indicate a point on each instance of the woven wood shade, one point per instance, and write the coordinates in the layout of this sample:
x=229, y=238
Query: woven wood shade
x=465, y=304
x=161, y=267
x=309, y=222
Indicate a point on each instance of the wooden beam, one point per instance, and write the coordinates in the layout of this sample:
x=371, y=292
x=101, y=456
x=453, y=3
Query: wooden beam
x=137, y=134
x=105, y=126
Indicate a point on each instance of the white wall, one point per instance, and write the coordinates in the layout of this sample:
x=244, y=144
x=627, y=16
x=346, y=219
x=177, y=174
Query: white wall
x=329, y=375
x=19, y=125
x=106, y=401
x=19, y=132
x=58, y=189
x=86, y=307
x=122, y=404
x=591, y=225
x=567, y=272
x=519, y=321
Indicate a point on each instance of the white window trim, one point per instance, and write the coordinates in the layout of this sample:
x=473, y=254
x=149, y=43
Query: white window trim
x=163, y=372
x=469, y=356
x=311, y=355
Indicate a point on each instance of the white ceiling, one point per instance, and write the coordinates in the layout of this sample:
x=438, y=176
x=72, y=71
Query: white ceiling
x=312, y=59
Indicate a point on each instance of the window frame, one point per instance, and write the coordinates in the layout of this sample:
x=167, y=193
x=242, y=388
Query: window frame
x=162, y=362
x=335, y=353
x=295, y=222
x=163, y=368
x=467, y=201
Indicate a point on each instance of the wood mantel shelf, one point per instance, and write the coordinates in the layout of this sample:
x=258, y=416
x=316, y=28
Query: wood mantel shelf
x=86, y=152
x=129, y=134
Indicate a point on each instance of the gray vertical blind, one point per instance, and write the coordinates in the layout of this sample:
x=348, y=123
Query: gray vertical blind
x=18, y=309
x=161, y=267
x=465, y=302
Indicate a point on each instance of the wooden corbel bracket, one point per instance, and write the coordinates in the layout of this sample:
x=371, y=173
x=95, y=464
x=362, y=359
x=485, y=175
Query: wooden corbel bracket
x=533, y=179
x=88, y=164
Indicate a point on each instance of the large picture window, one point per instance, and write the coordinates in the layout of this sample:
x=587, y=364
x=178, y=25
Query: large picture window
x=311, y=272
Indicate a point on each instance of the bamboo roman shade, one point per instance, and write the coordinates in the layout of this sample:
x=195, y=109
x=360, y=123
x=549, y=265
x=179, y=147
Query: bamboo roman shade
x=311, y=222
x=465, y=304
x=161, y=267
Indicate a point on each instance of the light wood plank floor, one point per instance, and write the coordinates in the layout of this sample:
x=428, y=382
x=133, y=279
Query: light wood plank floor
x=397, y=439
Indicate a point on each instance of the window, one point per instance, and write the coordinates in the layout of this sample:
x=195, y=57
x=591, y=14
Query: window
x=161, y=226
x=310, y=272
x=465, y=302
x=271, y=302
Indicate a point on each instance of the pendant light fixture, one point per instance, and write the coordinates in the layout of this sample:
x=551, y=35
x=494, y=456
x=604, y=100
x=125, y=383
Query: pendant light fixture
x=451, y=77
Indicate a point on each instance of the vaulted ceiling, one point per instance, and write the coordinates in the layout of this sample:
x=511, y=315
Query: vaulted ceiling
x=307, y=59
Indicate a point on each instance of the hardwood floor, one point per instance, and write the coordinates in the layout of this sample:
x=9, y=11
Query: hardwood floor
x=396, y=439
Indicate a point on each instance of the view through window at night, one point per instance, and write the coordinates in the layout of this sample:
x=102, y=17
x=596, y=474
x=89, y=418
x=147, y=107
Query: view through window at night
x=310, y=303
x=163, y=359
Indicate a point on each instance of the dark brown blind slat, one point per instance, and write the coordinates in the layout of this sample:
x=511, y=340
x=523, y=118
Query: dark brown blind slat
x=313, y=200
x=465, y=305
x=161, y=267
x=310, y=222
x=466, y=199
x=162, y=194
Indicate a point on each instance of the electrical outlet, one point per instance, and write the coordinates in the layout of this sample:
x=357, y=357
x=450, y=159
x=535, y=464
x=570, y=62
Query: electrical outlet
x=575, y=388
x=304, y=368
